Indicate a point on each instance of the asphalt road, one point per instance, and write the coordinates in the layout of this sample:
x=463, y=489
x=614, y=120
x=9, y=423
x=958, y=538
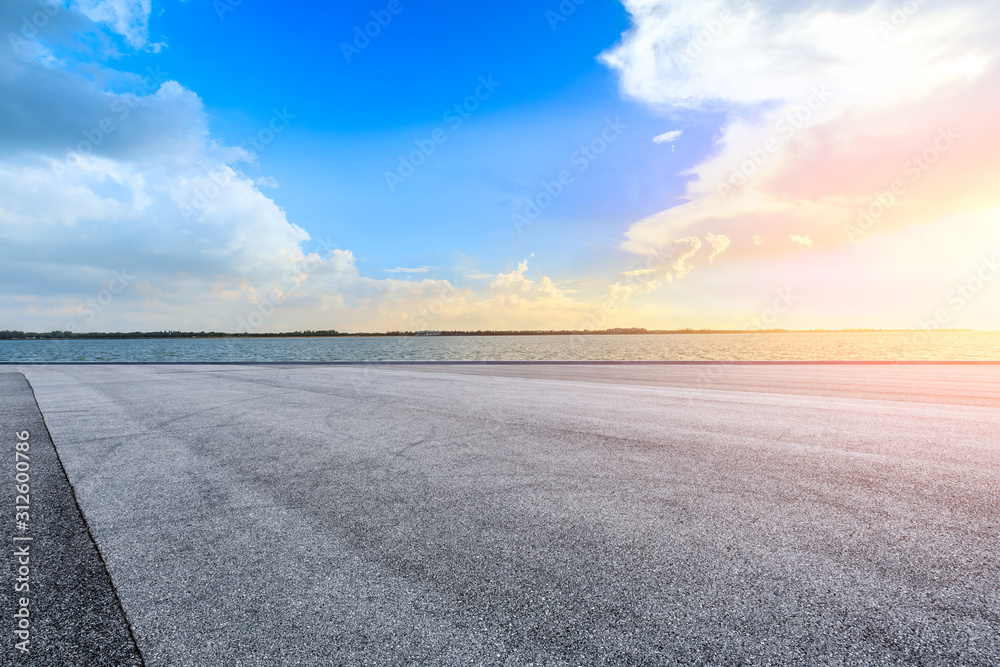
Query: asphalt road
x=73, y=616
x=440, y=515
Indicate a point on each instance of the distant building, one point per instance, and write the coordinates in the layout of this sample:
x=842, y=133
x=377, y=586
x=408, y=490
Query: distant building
x=427, y=333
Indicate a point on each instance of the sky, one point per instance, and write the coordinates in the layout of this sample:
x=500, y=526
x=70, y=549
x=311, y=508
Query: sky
x=394, y=165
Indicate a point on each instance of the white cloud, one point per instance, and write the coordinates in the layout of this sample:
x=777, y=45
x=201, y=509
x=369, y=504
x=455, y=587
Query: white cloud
x=128, y=18
x=115, y=202
x=684, y=54
x=684, y=249
x=801, y=240
x=126, y=199
x=401, y=269
x=619, y=294
x=720, y=243
x=667, y=137
x=518, y=285
x=824, y=107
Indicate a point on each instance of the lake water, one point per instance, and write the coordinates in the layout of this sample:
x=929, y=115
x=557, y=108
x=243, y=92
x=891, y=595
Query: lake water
x=890, y=346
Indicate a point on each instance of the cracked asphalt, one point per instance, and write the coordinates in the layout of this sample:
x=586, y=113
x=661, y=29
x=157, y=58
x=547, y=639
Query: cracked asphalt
x=546, y=515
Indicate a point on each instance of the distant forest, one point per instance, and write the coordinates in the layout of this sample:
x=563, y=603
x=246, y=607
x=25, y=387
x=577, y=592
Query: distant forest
x=329, y=333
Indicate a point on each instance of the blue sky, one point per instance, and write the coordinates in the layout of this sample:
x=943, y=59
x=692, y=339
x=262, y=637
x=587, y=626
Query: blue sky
x=713, y=157
x=353, y=120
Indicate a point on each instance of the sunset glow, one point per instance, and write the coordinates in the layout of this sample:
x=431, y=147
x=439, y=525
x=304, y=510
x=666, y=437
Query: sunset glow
x=661, y=164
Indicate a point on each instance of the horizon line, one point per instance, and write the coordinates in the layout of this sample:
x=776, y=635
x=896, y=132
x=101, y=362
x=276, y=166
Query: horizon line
x=332, y=333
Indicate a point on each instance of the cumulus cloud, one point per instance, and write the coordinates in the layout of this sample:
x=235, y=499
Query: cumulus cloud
x=123, y=187
x=720, y=243
x=684, y=54
x=683, y=251
x=827, y=106
x=118, y=175
x=801, y=240
x=619, y=294
x=519, y=286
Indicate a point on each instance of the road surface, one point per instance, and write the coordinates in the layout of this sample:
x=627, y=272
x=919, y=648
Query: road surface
x=546, y=515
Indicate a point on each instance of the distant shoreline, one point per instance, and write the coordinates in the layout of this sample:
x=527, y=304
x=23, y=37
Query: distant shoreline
x=175, y=335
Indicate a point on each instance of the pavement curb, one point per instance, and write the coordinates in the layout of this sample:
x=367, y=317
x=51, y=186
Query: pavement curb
x=76, y=614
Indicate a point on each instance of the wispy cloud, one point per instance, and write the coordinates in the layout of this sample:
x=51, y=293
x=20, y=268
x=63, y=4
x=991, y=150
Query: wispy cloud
x=801, y=240
x=667, y=137
x=128, y=18
x=403, y=269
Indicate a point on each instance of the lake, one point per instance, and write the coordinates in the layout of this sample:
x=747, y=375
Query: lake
x=889, y=346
